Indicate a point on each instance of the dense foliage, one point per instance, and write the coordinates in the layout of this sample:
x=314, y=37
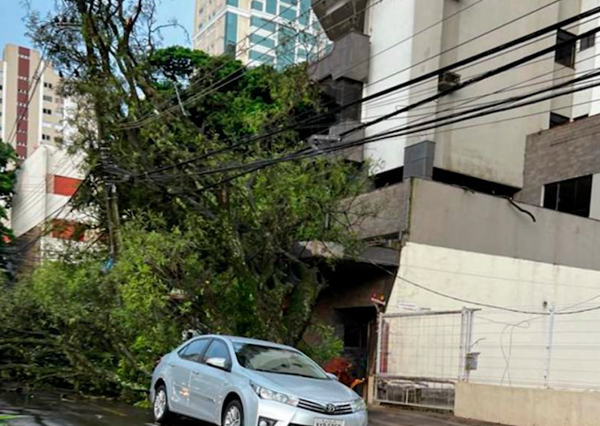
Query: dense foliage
x=197, y=249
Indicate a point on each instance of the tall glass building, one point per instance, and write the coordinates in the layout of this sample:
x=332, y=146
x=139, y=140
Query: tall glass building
x=275, y=32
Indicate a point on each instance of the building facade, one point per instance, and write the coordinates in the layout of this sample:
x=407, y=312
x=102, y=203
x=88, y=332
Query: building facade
x=396, y=41
x=42, y=221
x=494, y=216
x=274, y=32
x=31, y=110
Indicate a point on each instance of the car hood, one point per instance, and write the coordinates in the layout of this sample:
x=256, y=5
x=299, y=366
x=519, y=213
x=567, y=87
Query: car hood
x=322, y=391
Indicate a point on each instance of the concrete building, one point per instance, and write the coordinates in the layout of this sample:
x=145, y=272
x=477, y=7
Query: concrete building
x=275, y=32
x=42, y=221
x=480, y=236
x=394, y=41
x=31, y=111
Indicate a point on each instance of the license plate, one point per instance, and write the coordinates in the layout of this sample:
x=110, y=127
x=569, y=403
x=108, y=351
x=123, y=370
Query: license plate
x=328, y=422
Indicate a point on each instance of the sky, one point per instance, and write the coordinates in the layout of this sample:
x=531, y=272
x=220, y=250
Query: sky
x=12, y=27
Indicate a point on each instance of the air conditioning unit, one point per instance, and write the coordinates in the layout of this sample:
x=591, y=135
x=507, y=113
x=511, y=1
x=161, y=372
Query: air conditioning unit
x=448, y=80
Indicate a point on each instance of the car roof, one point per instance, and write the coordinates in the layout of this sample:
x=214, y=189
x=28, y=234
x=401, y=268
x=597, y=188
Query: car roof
x=236, y=339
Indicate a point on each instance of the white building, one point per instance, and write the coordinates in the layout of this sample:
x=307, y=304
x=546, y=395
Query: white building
x=43, y=222
x=442, y=235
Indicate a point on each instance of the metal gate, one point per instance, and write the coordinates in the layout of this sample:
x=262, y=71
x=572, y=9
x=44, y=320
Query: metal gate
x=421, y=355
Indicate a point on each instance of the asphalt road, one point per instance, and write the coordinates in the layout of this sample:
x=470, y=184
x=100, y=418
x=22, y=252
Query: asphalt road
x=53, y=410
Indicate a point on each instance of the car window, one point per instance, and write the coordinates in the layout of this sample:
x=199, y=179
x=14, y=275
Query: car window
x=277, y=360
x=194, y=350
x=217, y=349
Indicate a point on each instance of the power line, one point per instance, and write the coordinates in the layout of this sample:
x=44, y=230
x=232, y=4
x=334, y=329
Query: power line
x=474, y=80
x=310, y=152
x=202, y=94
x=402, y=85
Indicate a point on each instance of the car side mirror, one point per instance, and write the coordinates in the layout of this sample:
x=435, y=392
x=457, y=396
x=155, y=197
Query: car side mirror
x=332, y=376
x=220, y=363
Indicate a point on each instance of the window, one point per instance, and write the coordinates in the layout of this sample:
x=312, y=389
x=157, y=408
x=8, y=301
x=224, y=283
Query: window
x=231, y=21
x=570, y=196
x=45, y=137
x=24, y=78
x=233, y=3
x=287, y=12
x=194, y=350
x=272, y=7
x=257, y=56
x=47, y=111
x=48, y=85
x=277, y=360
x=48, y=98
x=22, y=91
x=304, y=12
x=263, y=41
x=23, y=56
x=217, y=349
x=565, y=54
x=257, y=5
x=587, y=42
x=262, y=24
x=557, y=120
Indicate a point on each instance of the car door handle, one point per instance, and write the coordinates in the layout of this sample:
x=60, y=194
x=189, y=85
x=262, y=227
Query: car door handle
x=171, y=364
x=196, y=372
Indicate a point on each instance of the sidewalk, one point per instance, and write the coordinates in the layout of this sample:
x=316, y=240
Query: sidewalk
x=396, y=416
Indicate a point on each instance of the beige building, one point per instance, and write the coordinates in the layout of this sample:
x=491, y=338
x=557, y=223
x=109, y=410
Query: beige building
x=275, y=32
x=31, y=110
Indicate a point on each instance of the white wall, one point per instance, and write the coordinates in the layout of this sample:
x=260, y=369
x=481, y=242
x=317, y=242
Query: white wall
x=32, y=203
x=527, y=407
x=491, y=147
x=512, y=345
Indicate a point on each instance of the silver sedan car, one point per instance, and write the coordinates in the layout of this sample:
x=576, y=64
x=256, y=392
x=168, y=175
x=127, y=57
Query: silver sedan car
x=232, y=381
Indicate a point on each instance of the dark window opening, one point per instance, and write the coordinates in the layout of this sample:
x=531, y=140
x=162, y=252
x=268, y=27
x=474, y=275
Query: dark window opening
x=587, y=42
x=570, y=196
x=565, y=54
x=557, y=120
x=473, y=183
x=389, y=177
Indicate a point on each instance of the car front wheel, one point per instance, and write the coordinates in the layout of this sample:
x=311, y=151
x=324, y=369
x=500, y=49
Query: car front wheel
x=233, y=415
x=160, y=407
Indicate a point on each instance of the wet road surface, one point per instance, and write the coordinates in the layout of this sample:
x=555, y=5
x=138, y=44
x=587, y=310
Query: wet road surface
x=53, y=410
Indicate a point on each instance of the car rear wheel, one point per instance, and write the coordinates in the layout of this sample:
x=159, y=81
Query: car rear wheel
x=160, y=407
x=233, y=415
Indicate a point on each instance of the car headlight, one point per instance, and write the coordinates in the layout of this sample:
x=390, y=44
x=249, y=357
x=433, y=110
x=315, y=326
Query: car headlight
x=272, y=395
x=358, y=405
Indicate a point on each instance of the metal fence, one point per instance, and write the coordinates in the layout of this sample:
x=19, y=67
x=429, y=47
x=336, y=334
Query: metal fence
x=422, y=355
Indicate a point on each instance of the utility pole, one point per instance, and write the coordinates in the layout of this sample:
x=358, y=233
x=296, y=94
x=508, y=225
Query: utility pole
x=110, y=189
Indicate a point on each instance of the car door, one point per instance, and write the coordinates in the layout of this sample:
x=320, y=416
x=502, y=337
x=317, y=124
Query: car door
x=180, y=368
x=208, y=384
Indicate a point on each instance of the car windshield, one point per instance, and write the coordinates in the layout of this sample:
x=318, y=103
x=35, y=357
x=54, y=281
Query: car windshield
x=277, y=360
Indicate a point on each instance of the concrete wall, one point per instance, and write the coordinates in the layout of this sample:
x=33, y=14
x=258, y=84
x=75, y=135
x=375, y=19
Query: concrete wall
x=527, y=407
x=465, y=249
x=561, y=153
x=378, y=213
x=33, y=202
x=490, y=148
x=448, y=216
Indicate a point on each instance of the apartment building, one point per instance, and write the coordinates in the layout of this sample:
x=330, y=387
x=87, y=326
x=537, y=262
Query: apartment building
x=43, y=223
x=31, y=110
x=493, y=219
x=274, y=32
